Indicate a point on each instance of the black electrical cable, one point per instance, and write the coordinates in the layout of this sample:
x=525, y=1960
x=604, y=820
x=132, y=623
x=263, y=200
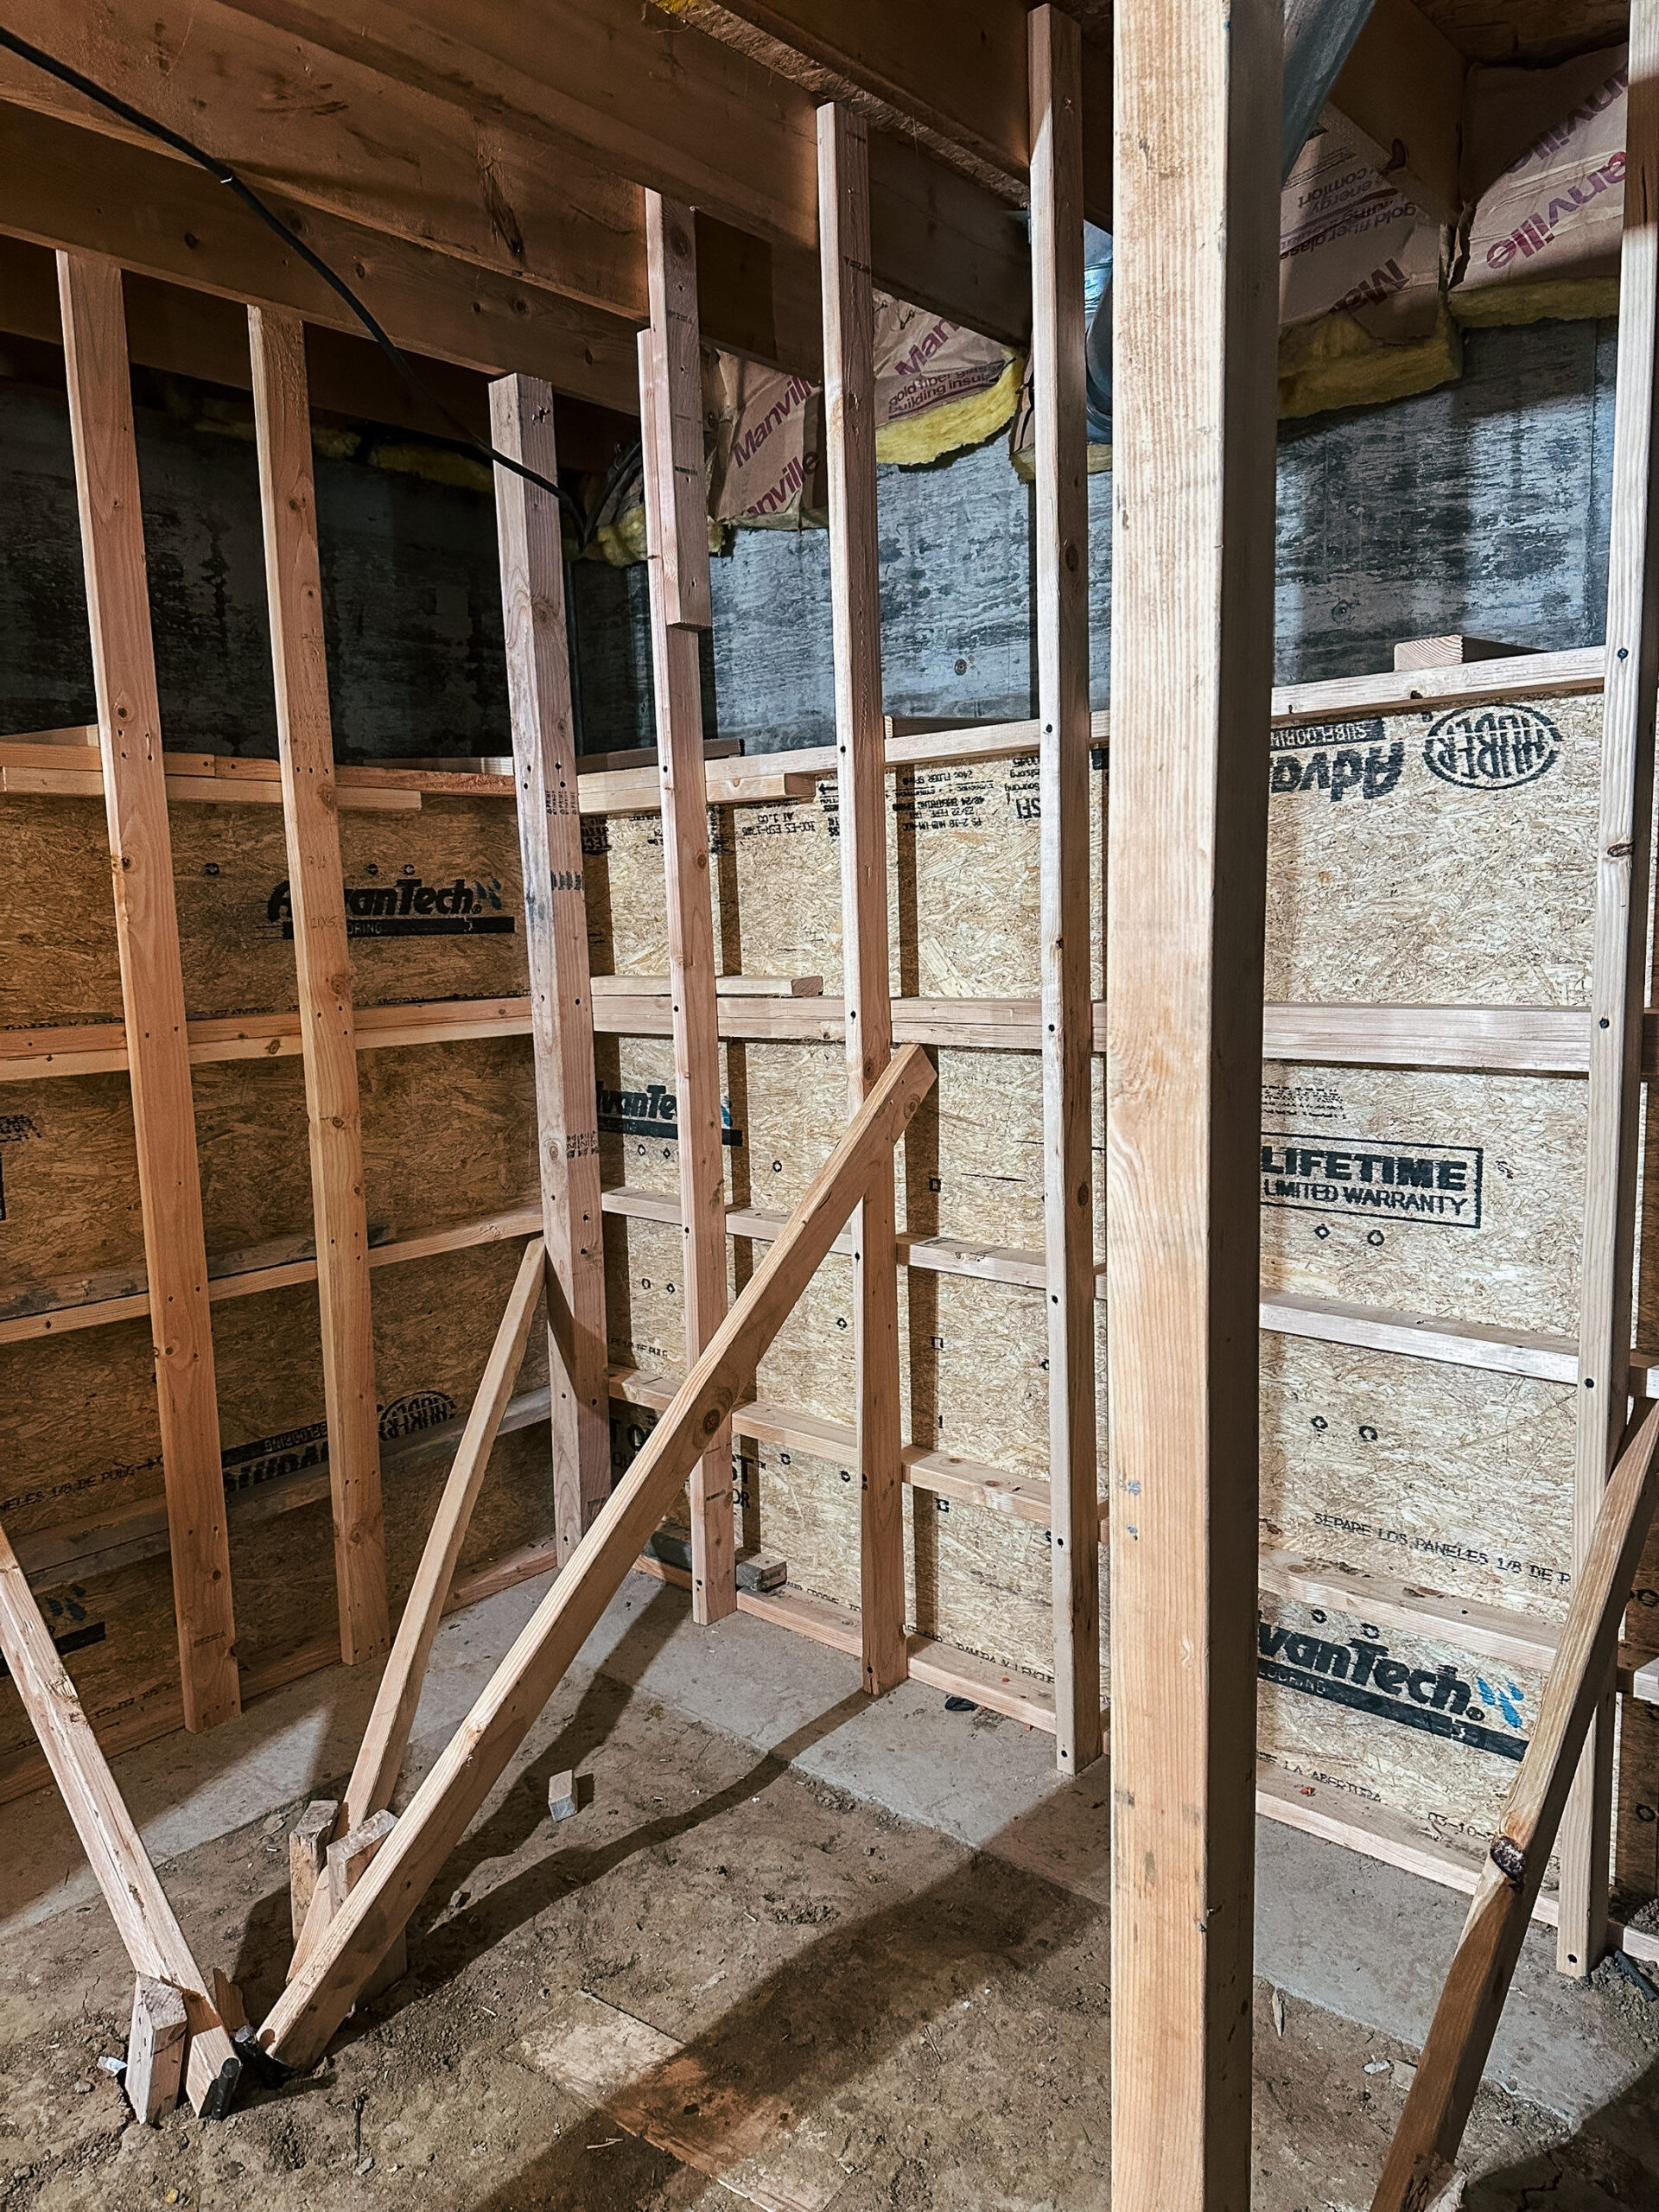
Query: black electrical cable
x=224, y=173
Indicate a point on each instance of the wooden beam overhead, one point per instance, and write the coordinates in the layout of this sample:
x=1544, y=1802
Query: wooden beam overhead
x=514, y=170
x=1060, y=535
x=556, y=932
x=152, y=982
x=670, y=414
x=965, y=95
x=860, y=735
x=1197, y=101
x=1618, y=956
x=322, y=963
x=1402, y=88
x=68, y=184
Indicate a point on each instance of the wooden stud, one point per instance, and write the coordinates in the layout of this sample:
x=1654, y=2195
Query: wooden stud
x=1617, y=960
x=322, y=960
x=670, y=412
x=1061, y=534
x=555, y=931
x=456, y=1784
x=674, y=425
x=1449, y=2074
x=152, y=982
x=143, y=1919
x=155, y=2046
x=380, y=1758
x=854, y=584
x=308, y=1856
x=1196, y=127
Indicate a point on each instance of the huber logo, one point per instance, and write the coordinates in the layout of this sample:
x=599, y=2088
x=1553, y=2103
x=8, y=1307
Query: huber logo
x=415, y=1410
x=1438, y=1183
x=1492, y=748
x=410, y=907
x=652, y=1112
x=1361, y=1676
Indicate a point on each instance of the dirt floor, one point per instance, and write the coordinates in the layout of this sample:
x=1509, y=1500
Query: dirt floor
x=721, y=1981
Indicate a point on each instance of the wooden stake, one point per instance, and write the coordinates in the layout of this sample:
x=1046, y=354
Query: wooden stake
x=152, y=982
x=374, y=1774
x=1443, y=2091
x=322, y=960
x=861, y=743
x=670, y=414
x=1062, y=604
x=1197, y=126
x=316, y=2001
x=1619, y=954
x=156, y=2048
x=143, y=1919
x=308, y=1856
x=555, y=933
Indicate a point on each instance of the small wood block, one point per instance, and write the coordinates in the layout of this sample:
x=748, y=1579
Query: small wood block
x=307, y=1855
x=155, y=2047
x=758, y=1574
x=566, y=1793
x=227, y=2003
x=353, y=1852
x=348, y=1860
x=1450, y=652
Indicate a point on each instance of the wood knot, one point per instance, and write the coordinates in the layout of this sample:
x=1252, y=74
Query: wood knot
x=1509, y=1859
x=711, y=1420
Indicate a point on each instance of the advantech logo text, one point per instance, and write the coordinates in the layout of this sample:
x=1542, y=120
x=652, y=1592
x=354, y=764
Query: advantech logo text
x=410, y=906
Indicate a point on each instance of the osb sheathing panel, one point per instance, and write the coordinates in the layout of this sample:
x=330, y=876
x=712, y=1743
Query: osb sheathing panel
x=282, y=1569
x=229, y=867
x=1436, y=860
x=1494, y=1238
x=1352, y=1708
x=1448, y=1477
x=963, y=884
x=78, y=1425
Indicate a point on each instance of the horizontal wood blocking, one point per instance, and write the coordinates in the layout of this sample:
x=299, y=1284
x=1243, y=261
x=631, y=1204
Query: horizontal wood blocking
x=1489, y=1040
x=1027, y=1498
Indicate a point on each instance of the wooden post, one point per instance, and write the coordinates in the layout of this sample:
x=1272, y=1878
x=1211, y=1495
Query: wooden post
x=152, y=982
x=555, y=931
x=1197, y=133
x=1443, y=2090
x=143, y=1919
x=322, y=960
x=456, y=1784
x=671, y=412
x=1617, y=971
x=1062, y=549
x=861, y=754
